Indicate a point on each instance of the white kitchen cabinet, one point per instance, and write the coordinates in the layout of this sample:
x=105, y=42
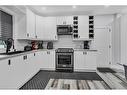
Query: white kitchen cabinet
x=90, y=60
x=30, y=20
x=47, y=59
x=84, y=61
x=40, y=29
x=64, y=20
x=11, y=74
x=79, y=61
x=4, y=74
x=50, y=29
x=18, y=70
x=83, y=27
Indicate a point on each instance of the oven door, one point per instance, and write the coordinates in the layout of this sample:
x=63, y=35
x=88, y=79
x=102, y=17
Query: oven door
x=64, y=60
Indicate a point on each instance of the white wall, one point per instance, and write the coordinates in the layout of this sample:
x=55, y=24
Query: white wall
x=116, y=50
x=124, y=39
x=103, y=20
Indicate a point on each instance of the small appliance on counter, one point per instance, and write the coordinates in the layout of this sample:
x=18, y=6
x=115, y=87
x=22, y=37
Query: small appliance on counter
x=40, y=45
x=34, y=45
x=28, y=48
x=86, y=44
x=50, y=45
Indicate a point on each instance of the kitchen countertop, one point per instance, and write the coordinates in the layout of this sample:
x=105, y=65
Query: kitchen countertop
x=28, y=52
x=24, y=53
x=85, y=50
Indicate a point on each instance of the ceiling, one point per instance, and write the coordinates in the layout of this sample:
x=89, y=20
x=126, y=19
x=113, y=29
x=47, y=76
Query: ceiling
x=76, y=10
x=61, y=10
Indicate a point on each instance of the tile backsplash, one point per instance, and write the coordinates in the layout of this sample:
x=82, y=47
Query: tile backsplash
x=65, y=41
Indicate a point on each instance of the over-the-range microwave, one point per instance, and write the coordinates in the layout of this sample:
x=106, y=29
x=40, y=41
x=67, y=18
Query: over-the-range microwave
x=64, y=30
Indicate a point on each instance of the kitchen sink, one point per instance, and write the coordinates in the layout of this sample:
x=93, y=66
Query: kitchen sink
x=10, y=53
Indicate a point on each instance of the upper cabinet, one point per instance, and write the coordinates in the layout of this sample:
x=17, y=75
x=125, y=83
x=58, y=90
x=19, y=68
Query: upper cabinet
x=81, y=27
x=40, y=21
x=50, y=29
x=30, y=23
x=64, y=20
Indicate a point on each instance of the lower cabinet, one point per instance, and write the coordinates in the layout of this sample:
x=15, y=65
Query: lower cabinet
x=84, y=60
x=16, y=71
x=4, y=74
x=47, y=60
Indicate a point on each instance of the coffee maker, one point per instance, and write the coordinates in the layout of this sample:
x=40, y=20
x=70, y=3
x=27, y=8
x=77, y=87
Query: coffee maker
x=86, y=45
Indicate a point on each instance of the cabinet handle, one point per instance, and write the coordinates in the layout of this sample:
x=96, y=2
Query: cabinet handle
x=85, y=52
x=34, y=54
x=36, y=36
x=79, y=36
x=48, y=52
x=27, y=34
x=9, y=62
x=24, y=57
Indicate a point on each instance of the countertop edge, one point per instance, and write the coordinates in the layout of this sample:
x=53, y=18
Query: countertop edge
x=24, y=53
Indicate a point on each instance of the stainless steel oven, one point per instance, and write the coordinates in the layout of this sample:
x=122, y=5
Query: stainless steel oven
x=64, y=59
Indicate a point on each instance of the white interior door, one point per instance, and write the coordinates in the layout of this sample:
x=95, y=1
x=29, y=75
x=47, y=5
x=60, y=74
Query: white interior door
x=102, y=42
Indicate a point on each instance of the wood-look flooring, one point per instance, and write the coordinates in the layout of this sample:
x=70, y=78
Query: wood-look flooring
x=77, y=80
x=110, y=81
x=71, y=84
x=114, y=80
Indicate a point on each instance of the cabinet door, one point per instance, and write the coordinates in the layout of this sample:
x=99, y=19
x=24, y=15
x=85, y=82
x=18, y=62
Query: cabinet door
x=4, y=74
x=59, y=20
x=83, y=27
x=79, y=61
x=51, y=60
x=50, y=28
x=39, y=27
x=69, y=20
x=17, y=72
x=90, y=58
x=43, y=59
x=30, y=17
x=48, y=60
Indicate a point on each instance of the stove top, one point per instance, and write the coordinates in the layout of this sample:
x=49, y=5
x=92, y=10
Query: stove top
x=65, y=50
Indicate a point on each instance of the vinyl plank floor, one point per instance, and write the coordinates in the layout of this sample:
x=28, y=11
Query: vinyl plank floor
x=40, y=80
x=76, y=80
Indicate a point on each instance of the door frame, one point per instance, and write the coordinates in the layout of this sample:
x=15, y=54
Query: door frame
x=110, y=40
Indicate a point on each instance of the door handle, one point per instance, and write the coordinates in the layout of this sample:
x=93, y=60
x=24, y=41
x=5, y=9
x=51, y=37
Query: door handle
x=9, y=62
x=27, y=34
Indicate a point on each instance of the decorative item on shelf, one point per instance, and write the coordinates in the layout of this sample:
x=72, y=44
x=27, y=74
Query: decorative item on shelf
x=91, y=27
x=75, y=27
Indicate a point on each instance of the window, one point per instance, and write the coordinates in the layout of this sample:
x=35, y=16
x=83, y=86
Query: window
x=6, y=26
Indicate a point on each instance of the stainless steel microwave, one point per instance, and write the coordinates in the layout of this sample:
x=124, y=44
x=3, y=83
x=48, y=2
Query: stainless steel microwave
x=64, y=30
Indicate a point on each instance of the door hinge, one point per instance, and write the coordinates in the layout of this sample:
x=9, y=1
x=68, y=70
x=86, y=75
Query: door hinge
x=109, y=30
x=110, y=46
